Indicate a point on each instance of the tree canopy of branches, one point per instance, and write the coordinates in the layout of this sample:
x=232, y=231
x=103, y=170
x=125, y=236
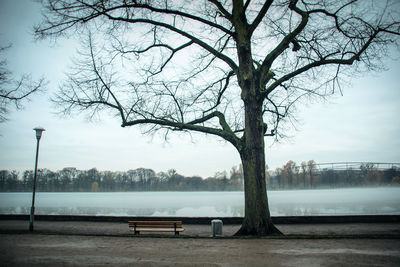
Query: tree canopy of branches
x=14, y=91
x=229, y=68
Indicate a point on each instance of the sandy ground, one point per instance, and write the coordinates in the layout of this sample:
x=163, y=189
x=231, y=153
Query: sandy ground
x=99, y=244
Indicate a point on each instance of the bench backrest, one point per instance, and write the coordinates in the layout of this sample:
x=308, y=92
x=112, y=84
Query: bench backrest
x=155, y=224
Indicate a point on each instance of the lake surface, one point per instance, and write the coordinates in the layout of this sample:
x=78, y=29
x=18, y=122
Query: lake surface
x=351, y=201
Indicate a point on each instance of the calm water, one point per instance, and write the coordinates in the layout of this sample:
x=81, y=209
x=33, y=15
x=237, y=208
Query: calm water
x=207, y=204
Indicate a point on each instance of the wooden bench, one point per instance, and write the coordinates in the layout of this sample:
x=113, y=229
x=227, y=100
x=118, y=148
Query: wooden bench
x=156, y=226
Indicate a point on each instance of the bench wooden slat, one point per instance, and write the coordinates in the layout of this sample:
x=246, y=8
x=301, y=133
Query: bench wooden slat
x=157, y=230
x=156, y=222
x=156, y=226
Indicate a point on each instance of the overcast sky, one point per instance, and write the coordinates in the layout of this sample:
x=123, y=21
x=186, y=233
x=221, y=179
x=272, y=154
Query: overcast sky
x=362, y=125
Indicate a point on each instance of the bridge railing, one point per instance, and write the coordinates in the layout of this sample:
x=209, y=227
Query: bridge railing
x=355, y=166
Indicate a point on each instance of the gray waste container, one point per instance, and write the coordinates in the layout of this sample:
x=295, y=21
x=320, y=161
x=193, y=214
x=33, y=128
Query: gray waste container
x=216, y=228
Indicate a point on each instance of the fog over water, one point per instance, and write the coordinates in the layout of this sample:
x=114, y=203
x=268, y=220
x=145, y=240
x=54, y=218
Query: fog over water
x=351, y=201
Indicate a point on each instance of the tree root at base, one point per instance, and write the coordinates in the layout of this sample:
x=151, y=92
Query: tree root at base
x=269, y=230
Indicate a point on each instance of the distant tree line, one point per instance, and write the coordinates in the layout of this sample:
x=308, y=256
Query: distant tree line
x=290, y=176
x=309, y=176
x=74, y=180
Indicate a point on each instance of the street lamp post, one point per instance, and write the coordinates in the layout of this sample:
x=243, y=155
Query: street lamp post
x=39, y=131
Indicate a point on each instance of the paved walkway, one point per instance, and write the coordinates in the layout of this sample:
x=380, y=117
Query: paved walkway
x=198, y=230
x=111, y=244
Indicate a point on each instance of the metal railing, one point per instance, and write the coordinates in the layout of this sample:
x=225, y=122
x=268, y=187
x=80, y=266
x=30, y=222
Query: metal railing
x=342, y=166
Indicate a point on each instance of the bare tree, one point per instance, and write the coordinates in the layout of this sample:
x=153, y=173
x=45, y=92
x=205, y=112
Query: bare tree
x=13, y=92
x=232, y=69
x=311, y=173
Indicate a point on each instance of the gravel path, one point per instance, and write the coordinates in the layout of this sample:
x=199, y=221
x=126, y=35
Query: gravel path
x=73, y=250
x=199, y=230
x=104, y=243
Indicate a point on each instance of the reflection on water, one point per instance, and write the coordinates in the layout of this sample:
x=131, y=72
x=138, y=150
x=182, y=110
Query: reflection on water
x=206, y=204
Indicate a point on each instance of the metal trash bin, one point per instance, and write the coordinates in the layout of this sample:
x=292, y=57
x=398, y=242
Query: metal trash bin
x=216, y=228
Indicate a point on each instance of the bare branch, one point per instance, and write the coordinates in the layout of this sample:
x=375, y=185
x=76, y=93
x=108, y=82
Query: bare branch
x=260, y=15
x=226, y=133
x=98, y=9
x=224, y=12
x=118, y=105
x=178, y=13
x=283, y=45
x=323, y=61
x=221, y=92
x=14, y=91
x=195, y=40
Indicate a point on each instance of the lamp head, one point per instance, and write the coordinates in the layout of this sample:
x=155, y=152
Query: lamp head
x=39, y=131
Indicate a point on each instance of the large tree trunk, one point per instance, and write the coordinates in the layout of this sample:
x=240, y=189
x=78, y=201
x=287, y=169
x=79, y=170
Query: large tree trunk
x=257, y=219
